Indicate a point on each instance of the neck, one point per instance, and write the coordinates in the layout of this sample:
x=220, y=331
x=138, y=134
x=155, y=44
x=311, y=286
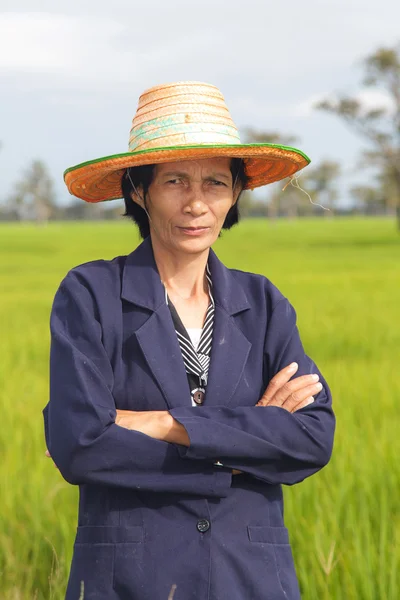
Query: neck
x=182, y=274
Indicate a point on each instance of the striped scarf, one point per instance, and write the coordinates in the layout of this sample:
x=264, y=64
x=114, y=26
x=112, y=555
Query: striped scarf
x=196, y=362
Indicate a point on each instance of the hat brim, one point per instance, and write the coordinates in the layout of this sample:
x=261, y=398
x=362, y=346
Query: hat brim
x=100, y=179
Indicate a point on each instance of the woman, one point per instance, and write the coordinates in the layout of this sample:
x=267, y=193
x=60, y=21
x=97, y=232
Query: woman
x=181, y=398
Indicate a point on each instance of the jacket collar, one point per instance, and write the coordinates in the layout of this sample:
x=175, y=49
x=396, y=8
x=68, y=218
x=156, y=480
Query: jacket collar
x=156, y=337
x=141, y=283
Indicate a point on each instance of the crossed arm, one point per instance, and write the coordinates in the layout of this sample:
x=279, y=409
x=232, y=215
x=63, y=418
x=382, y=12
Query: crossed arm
x=283, y=439
x=289, y=395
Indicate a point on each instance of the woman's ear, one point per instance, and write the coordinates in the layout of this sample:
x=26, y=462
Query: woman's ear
x=138, y=196
x=237, y=190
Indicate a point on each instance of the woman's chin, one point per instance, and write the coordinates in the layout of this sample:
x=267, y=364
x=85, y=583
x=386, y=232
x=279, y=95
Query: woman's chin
x=186, y=244
x=194, y=245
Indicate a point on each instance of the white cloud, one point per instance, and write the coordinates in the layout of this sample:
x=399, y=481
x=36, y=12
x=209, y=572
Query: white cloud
x=123, y=43
x=306, y=107
x=371, y=98
x=22, y=38
x=61, y=44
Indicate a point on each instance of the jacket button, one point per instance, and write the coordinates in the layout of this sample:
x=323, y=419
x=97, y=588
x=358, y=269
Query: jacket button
x=203, y=525
x=198, y=397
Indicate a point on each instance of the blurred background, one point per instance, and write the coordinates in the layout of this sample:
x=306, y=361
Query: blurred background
x=320, y=76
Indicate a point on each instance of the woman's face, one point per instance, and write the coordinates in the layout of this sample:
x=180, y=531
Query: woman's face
x=188, y=202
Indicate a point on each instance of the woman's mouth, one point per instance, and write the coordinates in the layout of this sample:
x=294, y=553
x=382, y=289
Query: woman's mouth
x=193, y=231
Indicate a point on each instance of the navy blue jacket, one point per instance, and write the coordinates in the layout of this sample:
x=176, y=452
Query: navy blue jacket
x=154, y=514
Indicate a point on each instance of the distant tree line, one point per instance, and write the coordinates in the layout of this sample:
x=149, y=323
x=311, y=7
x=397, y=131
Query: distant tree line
x=33, y=195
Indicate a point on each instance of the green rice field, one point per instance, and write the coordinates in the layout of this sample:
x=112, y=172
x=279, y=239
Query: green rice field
x=343, y=277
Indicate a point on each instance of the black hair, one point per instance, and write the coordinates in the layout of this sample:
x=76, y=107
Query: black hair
x=143, y=176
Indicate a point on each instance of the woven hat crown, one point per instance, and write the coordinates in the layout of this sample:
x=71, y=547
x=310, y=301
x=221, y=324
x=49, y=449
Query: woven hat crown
x=182, y=114
x=179, y=121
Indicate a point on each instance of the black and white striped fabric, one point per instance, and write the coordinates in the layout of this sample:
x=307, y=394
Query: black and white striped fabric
x=196, y=361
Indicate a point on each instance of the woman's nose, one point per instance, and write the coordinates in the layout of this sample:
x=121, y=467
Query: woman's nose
x=195, y=203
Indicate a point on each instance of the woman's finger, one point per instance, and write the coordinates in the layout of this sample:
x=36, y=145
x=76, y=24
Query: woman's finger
x=303, y=404
x=297, y=386
x=287, y=389
x=277, y=382
x=47, y=453
x=290, y=401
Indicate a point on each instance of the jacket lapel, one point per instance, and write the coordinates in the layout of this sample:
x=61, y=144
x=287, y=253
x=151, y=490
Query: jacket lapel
x=142, y=286
x=230, y=347
x=157, y=339
x=160, y=347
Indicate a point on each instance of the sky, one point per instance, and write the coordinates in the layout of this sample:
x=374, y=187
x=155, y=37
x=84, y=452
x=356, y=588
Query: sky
x=71, y=71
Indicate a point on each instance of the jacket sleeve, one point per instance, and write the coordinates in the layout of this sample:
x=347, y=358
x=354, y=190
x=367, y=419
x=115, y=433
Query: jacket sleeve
x=267, y=442
x=81, y=435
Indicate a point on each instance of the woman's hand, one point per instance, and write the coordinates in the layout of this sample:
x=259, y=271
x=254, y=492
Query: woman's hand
x=149, y=422
x=47, y=453
x=290, y=395
x=158, y=424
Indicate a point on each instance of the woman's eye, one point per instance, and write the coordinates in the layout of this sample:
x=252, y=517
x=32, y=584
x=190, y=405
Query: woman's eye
x=174, y=181
x=215, y=182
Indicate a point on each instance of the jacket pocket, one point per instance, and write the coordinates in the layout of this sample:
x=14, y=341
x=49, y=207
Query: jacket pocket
x=277, y=539
x=97, y=552
x=89, y=534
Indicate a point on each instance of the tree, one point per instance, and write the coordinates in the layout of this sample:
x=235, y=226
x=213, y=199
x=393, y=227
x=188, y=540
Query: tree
x=369, y=198
x=322, y=184
x=380, y=126
x=33, y=196
x=260, y=136
x=279, y=202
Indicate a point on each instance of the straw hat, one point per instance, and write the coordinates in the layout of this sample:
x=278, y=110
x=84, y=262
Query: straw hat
x=182, y=121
